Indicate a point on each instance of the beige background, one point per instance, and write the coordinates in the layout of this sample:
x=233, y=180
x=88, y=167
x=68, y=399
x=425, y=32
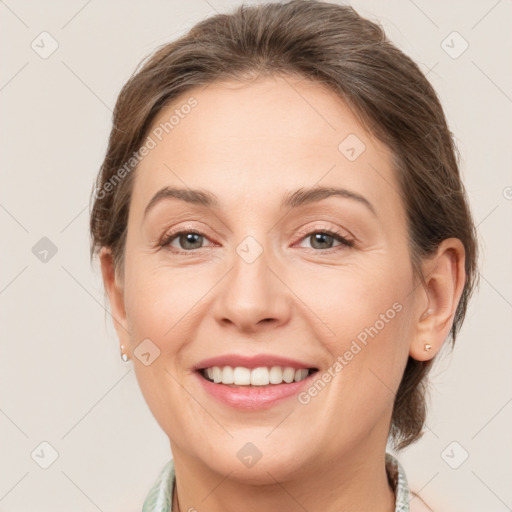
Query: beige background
x=62, y=380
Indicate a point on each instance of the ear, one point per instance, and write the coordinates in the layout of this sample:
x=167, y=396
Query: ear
x=115, y=292
x=445, y=277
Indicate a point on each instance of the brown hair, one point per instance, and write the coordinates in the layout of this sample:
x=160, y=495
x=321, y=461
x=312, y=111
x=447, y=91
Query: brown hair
x=332, y=45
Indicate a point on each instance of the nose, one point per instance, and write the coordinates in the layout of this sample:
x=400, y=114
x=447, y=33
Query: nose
x=253, y=296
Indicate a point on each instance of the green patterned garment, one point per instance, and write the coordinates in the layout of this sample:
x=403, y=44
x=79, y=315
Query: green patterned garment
x=160, y=496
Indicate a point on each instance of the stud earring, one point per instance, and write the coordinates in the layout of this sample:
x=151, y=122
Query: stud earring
x=124, y=356
x=427, y=347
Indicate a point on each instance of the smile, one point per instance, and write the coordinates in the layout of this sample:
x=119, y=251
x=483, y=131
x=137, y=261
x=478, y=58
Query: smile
x=261, y=376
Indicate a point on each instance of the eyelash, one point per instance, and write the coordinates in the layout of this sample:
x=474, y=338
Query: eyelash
x=345, y=242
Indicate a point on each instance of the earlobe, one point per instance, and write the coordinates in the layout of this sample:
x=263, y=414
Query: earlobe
x=115, y=295
x=423, y=352
x=444, y=282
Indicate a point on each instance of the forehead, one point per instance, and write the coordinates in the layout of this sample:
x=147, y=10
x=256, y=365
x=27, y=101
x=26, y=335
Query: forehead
x=246, y=141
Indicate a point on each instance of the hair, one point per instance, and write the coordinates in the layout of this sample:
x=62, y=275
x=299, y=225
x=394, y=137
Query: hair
x=332, y=45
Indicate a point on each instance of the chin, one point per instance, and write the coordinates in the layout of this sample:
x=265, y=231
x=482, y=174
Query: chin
x=260, y=462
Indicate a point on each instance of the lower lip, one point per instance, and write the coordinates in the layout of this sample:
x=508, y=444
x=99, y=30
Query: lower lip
x=253, y=397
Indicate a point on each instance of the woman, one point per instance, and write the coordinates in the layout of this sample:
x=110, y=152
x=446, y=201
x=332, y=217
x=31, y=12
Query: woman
x=286, y=244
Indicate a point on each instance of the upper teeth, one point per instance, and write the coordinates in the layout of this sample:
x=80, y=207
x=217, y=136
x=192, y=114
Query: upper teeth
x=262, y=376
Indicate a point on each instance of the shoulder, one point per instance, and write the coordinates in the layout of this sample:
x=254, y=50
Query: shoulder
x=417, y=504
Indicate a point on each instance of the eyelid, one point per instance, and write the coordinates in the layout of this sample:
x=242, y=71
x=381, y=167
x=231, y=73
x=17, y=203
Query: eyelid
x=165, y=239
x=342, y=232
x=348, y=241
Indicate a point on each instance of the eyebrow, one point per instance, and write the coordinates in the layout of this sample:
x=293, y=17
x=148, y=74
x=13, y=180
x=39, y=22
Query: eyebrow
x=292, y=199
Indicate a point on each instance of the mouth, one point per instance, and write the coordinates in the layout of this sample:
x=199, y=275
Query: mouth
x=253, y=381
x=253, y=389
x=262, y=376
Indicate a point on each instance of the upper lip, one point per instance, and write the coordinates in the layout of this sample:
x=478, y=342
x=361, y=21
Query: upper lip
x=253, y=361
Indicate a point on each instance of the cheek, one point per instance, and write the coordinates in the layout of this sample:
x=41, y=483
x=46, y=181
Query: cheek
x=368, y=311
x=159, y=306
x=361, y=301
x=160, y=302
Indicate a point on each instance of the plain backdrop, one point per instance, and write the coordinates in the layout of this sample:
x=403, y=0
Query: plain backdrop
x=62, y=382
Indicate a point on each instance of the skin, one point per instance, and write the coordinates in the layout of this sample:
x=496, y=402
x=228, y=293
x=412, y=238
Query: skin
x=249, y=143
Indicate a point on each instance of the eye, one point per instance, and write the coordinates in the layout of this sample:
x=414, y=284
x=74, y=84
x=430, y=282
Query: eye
x=188, y=240
x=323, y=239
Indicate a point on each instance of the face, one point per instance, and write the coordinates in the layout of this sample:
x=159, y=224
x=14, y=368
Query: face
x=277, y=271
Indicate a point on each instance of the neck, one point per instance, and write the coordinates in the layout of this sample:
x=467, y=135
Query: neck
x=336, y=486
